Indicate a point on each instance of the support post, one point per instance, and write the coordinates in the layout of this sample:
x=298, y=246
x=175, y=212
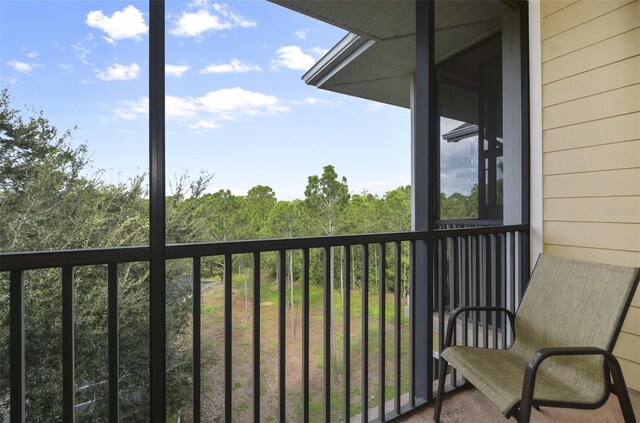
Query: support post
x=423, y=193
x=157, y=223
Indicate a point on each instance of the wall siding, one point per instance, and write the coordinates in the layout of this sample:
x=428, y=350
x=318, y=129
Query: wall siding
x=591, y=141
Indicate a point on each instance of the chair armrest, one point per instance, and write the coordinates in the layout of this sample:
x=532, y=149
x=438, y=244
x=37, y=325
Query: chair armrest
x=454, y=315
x=539, y=356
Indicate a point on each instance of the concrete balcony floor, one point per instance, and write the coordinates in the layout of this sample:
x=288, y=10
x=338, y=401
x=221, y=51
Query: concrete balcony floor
x=469, y=405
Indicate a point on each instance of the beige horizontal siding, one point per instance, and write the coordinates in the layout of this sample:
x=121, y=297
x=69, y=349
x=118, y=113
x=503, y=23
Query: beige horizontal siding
x=600, y=106
x=577, y=14
x=605, y=26
x=617, y=257
x=610, y=183
x=593, y=209
x=628, y=347
x=612, y=236
x=621, y=155
x=600, y=80
x=631, y=372
x=602, y=131
x=632, y=323
x=591, y=142
x=602, y=53
x=553, y=6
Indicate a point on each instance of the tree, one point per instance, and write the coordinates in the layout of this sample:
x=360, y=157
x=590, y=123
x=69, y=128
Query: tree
x=326, y=198
x=284, y=221
x=47, y=201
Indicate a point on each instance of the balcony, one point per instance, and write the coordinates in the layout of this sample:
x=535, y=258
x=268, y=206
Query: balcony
x=283, y=378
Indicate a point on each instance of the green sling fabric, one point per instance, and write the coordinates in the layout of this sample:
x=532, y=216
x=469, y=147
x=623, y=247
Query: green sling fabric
x=568, y=303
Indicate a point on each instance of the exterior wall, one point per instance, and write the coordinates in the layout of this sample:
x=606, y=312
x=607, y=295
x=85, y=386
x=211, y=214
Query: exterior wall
x=590, y=53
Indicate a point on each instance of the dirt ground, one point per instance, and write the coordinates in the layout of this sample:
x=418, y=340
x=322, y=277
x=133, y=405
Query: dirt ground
x=213, y=383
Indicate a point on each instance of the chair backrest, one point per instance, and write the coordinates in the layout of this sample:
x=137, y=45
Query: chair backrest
x=574, y=303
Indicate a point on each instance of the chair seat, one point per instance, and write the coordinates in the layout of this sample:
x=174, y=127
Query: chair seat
x=499, y=374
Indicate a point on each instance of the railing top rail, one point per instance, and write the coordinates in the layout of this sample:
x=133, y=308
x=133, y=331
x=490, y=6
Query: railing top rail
x=96, y=256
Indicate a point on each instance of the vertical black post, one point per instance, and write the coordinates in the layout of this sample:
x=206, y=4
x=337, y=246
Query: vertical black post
x=256, y=337
x=412, y=324
x=424, y=184
x=196, y=316
x=68, y=350
x=328, y=292
x=282, y=332
x=346, y=309
x=228, y=328
x=114, y=365
x=157, y=241
x=305, y=335
x=381, y=328
x=16, y=346
x=364, y=390
x=397, y=288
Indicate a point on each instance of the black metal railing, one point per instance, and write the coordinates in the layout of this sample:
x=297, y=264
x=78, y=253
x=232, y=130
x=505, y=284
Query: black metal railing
x=479, y=265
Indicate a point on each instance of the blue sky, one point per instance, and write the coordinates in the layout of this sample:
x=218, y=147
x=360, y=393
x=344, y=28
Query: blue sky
x=236, y=106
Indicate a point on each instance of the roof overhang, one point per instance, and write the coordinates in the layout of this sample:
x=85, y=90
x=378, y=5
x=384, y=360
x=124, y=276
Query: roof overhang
x=376, y=59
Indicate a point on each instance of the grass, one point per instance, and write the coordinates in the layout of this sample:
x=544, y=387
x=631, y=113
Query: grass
x=212, y=321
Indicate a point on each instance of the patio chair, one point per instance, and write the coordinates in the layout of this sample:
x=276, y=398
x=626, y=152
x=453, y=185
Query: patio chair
x=565, y=331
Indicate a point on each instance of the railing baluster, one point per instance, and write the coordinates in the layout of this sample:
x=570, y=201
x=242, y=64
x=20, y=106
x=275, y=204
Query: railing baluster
x=397, y=287
x=503, y=286
x=494, y=287
x=328, y=293
x=439, y=268
x=256, y=337
x=114, y=365
x=454, y=243
x=195, y=337
x=412, y=325
x=476, y=288
x=365, y=334
x=484, y=287
x=346, y=308
x=68, y=358
x=381, y=328
x=282, y=331
x=305, y=335
x=464, y=284
x=228, y=312
x=16, y=346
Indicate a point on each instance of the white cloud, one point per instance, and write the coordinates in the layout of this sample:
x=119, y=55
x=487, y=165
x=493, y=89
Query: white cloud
x=127, y=23
x=65, y=66
x=372, y=107
x=120, y=72
x=235, y=66
x=301, y=33
x=292, y=57
x=20, y=66
x=205, y=125
x=132, y=110
x=207, y=111
x=310, y=101
x=194, y=24
x=180, y=108
x=176, y=70
x=233, y=103
x=81, y=53
x=235, y=19
x=32, y=54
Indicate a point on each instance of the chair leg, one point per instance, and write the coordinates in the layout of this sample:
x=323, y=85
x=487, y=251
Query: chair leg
x=620, y=390
x=524, y=414
x=441, y=382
